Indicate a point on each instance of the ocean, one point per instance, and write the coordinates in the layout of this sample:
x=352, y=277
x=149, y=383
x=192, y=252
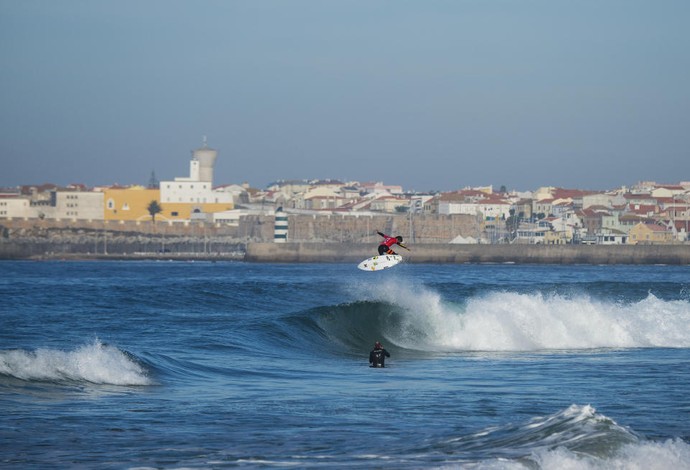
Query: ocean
x=195, y=365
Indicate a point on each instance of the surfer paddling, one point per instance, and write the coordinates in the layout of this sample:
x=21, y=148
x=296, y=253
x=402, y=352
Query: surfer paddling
x=377, y=357
x=385, y=248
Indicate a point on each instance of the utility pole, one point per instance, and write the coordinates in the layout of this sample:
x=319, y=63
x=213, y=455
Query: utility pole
x=411, y=231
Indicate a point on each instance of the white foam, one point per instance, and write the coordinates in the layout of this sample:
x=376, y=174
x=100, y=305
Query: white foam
x=583, y=423
x=648, y=455
x=509, y=321
x=671, y=454
x=95, y=363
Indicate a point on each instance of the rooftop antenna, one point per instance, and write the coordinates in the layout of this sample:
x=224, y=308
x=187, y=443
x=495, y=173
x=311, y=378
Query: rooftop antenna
x=204, y=140
x=153, y=181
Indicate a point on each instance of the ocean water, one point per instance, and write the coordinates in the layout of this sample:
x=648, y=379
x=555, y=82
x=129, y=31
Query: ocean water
x=222, y=365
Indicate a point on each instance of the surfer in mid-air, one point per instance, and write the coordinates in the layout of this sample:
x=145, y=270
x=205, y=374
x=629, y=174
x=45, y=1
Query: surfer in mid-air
x=386, y=257
x=385, y=248
x=377, y=357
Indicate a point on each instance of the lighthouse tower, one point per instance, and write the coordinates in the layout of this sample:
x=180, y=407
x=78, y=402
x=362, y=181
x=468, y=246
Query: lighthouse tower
x=280, y=229
x=202, y=163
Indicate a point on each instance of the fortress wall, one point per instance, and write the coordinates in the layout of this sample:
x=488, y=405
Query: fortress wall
x=301, y=228
x=334, y=238
x=29, y=227
x=419, y=228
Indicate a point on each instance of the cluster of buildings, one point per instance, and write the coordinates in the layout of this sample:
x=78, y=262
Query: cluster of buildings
x=645, y=213
x=183, y=199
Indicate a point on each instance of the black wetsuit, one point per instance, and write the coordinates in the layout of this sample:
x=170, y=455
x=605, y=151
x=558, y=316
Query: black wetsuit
x=377, y=357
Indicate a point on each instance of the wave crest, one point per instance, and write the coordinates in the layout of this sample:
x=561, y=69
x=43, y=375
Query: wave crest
x=576, y=438
x=417, y=318
x=94, y=363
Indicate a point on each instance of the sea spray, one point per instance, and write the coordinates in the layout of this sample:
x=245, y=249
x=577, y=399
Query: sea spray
x=512, y=321
x=95, y=363
x=576, y=438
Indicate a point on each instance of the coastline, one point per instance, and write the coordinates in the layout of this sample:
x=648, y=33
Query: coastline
x=460, y=254
x=306, y=252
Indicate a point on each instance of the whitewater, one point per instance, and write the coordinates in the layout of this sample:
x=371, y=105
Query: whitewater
x=512, y=321
x=224, y=365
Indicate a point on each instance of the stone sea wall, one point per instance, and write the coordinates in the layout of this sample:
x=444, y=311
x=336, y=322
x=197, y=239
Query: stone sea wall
x=453, y=253
x=55, y=239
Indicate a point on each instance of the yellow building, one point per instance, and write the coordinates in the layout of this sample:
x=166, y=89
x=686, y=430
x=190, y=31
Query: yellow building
x=557, y=237
x=132, y=204
x=129, y=203
x=649, y=234
x=185, y=211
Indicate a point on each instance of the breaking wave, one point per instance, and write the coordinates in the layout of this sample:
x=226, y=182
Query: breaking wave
x=420, y=319
x=94, y=363
x=576, y=438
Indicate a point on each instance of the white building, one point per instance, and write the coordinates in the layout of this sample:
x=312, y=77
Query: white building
x=198, y=187
x=77, y=205
x=602, y=199
x=458, y=207
x=16, y=207
x=62, y=204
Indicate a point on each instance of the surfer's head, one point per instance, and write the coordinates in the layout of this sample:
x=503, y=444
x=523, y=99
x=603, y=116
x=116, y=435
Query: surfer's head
x=399, y=238
x=378, y=345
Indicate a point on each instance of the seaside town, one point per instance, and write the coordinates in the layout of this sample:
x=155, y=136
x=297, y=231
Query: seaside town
x=644, y=213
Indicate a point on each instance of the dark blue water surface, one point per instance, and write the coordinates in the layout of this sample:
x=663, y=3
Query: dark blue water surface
x=215, y=365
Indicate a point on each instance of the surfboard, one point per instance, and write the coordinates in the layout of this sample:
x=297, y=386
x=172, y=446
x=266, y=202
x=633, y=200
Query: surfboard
x=379, y=263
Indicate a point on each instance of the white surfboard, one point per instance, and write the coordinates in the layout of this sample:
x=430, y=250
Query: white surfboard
x=378, y=263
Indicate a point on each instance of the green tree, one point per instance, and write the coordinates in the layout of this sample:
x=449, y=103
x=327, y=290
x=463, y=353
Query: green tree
x=154, y=208
x=512, y=224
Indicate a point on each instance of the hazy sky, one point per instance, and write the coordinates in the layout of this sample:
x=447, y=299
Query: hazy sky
x=429, y=94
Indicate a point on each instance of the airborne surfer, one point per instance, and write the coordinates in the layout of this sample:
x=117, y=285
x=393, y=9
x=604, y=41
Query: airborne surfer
x=385, y=248
x=381, y=262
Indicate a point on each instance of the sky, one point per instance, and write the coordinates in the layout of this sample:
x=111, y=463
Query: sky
x=427, y=94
